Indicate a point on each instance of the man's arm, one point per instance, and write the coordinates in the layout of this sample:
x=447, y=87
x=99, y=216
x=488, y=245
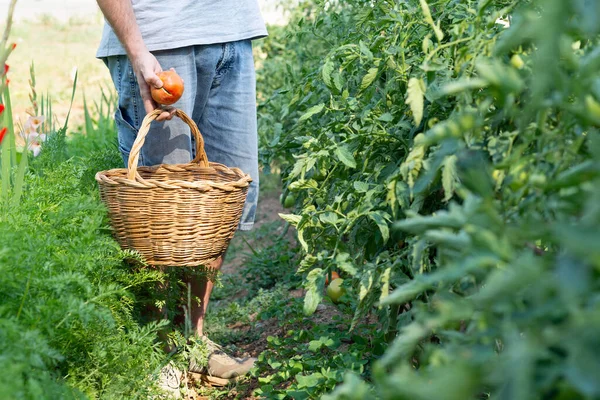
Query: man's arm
x=120, y=16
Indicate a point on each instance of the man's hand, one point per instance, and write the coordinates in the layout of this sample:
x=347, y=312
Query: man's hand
x=146, y=68
x=120, y=16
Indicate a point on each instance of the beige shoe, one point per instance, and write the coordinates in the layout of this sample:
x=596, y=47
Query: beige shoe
x=169, y=381
x=221, y=368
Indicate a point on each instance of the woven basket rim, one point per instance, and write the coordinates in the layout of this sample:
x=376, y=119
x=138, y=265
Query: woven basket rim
x=118, y=177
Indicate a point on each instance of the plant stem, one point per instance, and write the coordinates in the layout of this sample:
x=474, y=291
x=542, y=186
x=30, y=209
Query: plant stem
x=446, y=45
x=392, y=328
x=24, y=296
x=9, y=18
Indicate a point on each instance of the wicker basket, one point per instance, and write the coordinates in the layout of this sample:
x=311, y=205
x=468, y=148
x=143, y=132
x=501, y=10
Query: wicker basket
x=178, y=215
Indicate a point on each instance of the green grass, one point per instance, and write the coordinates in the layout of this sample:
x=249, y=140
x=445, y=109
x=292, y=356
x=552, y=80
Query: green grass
x=56, y=48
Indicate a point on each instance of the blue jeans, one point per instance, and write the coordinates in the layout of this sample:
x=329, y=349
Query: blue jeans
x=219, y=95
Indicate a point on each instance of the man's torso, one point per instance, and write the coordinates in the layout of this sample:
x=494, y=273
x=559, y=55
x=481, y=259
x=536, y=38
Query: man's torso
x=172, y=24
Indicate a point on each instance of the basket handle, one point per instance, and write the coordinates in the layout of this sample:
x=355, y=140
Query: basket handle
x=134, y=155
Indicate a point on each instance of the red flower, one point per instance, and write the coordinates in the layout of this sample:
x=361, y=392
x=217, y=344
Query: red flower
x=14, y=46
x=1, y=108
x=2, y=134
x=6, y=69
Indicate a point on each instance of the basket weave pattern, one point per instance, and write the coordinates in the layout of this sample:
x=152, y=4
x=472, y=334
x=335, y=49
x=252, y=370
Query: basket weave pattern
x=177, y=215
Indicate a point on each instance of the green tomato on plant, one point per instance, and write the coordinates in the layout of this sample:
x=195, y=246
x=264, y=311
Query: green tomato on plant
x=335, y=290
x=287, y=201
x=517, y=62
x=320, y=201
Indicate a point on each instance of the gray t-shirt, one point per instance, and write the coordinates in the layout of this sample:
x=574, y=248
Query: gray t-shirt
x=179, y=23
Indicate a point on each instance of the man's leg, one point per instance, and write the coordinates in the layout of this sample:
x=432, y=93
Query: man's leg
x=221, y=368
x=201, y=288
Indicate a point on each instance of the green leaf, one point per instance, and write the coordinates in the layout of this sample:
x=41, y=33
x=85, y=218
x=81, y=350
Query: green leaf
x=5, y=150
x=582, y=365
x=406, y=292
x=338, y=81
x=364, y=49
x=382, y=224
x=363, y=15
x=345, y=155
x=576, y=175
x=415, y=98
x=450, y=273
x=314, y=285
x=384, y=280
x=344, y=263
x=441, y=237
x=314, y=345
x=300, y=230
x=386, y=117
x=417, y=224
x=64, y=128
x=579, y=239
x=449, y=177
x=326, y=73
x=291, y=218
x=459, y=86
x=413, y=163
x=323, y=341
x=500, y=75
x=366, y=282
x=312, y=111
x=405, y=343
x=309, y=381
x=9, y=123
x=368, y=78
x=361, y=187
x=20, y=178
x=429, y=19
x=329, y=218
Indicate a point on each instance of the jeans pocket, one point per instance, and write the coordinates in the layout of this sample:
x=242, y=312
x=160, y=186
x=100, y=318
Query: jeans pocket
x=127, y=134
x=225, y=62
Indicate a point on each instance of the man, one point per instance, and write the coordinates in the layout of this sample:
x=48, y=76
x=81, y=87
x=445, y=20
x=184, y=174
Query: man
x=208, y=43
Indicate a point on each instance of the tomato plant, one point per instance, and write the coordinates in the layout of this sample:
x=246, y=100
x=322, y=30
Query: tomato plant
x=467, y=131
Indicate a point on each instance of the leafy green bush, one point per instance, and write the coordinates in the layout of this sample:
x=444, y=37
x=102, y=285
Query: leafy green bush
x=68, y=324
x=450, y=165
